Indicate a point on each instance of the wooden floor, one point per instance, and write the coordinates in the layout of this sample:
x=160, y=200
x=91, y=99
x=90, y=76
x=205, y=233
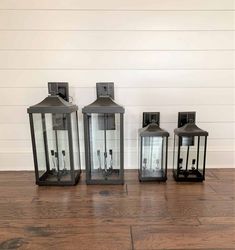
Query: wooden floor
x=133, y=216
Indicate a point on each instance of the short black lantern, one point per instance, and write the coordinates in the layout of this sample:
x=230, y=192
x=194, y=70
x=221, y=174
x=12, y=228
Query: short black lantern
x=189, y=149
x=103, y=129
x=55, y=139
x=153, y=146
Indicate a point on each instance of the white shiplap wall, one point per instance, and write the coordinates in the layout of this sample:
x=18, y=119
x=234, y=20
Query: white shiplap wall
x=167, y=56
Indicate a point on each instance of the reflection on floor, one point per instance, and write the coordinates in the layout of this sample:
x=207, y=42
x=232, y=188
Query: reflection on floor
x=135, y=215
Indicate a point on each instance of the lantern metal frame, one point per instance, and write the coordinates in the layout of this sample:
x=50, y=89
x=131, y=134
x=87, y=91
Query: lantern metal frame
x=104, y=105
x=186, y=135
x=152, y=120
x=55, y=105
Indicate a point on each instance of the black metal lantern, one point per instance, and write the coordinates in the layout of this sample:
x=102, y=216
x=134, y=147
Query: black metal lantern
x=189, y=149
x=103, y=128
x=153, y=145
x=55, y=140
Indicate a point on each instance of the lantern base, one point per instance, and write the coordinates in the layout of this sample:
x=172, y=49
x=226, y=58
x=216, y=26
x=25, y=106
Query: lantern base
x=190, y=176
x=100, y=177
x=150, y=175
x=49, y=179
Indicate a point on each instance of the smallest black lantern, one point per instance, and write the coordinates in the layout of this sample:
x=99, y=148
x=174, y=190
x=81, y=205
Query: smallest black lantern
x=153, y=144
x=189, y=149
x=54, y=132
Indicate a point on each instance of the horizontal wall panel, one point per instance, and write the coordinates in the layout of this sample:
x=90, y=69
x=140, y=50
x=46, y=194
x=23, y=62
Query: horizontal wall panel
x=164, y=56
x=116, y=40
x=15, y=145
x=118, y=5
x=14, y=114
x=22, y=96
x=121, y=78
x=116, y=59
x=24, y=161
x=168, y=114
x=216, y=130
x=175, y=96
x=16, y=161
x=127, y=96
x=113, y=20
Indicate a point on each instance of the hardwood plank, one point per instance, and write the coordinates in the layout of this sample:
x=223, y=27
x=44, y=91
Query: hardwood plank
x=99, y=221
x=216, y=220
x=148, y=215
x=81, y=208
x=184, y=237
x=227, y=187
x=224, y=175
x=59, y=236
x=201, y=208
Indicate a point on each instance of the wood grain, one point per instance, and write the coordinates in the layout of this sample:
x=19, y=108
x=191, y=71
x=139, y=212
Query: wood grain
x=184, y=237
x=131, y=216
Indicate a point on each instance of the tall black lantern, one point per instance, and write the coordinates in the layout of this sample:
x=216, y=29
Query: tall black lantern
x=103, y=128
x=153, y=145
x=189, y=149
x=55, y=141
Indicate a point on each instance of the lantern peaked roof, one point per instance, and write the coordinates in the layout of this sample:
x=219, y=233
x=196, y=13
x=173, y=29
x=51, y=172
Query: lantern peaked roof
x=103, y=104
x=153, y=130
x=190, y=129
x=53, y=104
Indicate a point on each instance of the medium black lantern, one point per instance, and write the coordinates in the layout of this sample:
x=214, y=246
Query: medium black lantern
x=153, y=145
x=189, y=149
x=103, y=128
x=55, y=141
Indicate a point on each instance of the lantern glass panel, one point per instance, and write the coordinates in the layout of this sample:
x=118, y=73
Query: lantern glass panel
x=188, y=152
x=191, y=159
x=140, y=142
x=201, y=156
x=40, y=146
x=75, y=138
x=176, y=149
x=153, y=160
x=104, y=131
x=164, y=156
x=56, y=129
